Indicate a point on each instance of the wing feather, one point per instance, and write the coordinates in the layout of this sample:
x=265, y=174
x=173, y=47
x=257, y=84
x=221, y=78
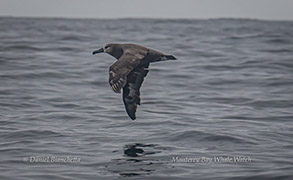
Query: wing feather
x=131, y=91
x=119, y=71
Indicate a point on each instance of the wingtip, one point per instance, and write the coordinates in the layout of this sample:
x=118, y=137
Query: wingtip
x=132, y=117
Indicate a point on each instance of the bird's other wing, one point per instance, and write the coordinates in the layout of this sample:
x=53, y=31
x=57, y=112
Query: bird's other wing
x=119, y=71
x=131, y=94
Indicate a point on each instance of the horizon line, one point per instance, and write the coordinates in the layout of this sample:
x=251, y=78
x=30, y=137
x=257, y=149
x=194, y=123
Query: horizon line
x=151, y=18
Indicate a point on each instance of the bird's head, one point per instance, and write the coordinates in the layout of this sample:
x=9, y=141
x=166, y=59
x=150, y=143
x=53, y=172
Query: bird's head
x=107, y=49
x=112, y=49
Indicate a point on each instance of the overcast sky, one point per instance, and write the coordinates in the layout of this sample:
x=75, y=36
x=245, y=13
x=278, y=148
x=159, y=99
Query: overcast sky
x=259, y=9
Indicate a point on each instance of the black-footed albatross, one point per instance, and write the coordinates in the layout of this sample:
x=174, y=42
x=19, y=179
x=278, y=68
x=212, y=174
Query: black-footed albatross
x=130, y=69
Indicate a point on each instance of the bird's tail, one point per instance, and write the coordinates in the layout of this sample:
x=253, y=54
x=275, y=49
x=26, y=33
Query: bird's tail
x=170, y=57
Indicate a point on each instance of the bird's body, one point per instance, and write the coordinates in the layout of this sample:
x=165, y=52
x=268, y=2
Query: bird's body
x=130, y=69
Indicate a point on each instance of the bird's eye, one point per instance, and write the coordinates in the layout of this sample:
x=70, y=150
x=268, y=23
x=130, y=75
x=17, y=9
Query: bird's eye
x=106, y=47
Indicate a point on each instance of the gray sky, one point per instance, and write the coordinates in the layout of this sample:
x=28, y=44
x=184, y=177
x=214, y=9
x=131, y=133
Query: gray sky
x=260, y=9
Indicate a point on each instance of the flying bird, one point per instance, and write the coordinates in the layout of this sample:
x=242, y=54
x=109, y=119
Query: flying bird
x=129, y=71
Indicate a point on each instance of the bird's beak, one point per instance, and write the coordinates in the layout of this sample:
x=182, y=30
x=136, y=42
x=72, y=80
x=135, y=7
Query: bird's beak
x=98, y=51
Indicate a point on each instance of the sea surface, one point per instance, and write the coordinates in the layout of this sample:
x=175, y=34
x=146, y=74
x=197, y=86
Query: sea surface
x=223, y=110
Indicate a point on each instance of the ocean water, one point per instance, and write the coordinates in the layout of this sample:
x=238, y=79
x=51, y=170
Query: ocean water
x=223, y=110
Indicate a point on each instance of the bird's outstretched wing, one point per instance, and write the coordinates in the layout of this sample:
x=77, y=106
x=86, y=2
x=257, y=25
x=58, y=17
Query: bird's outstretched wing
x=119, y=71
x=131, y=94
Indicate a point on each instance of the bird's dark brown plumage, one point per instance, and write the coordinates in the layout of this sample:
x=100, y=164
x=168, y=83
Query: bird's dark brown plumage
x=129, y=71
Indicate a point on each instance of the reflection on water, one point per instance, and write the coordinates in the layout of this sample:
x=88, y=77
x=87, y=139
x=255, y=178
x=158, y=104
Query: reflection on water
x=133, y=150
x=138, y=160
